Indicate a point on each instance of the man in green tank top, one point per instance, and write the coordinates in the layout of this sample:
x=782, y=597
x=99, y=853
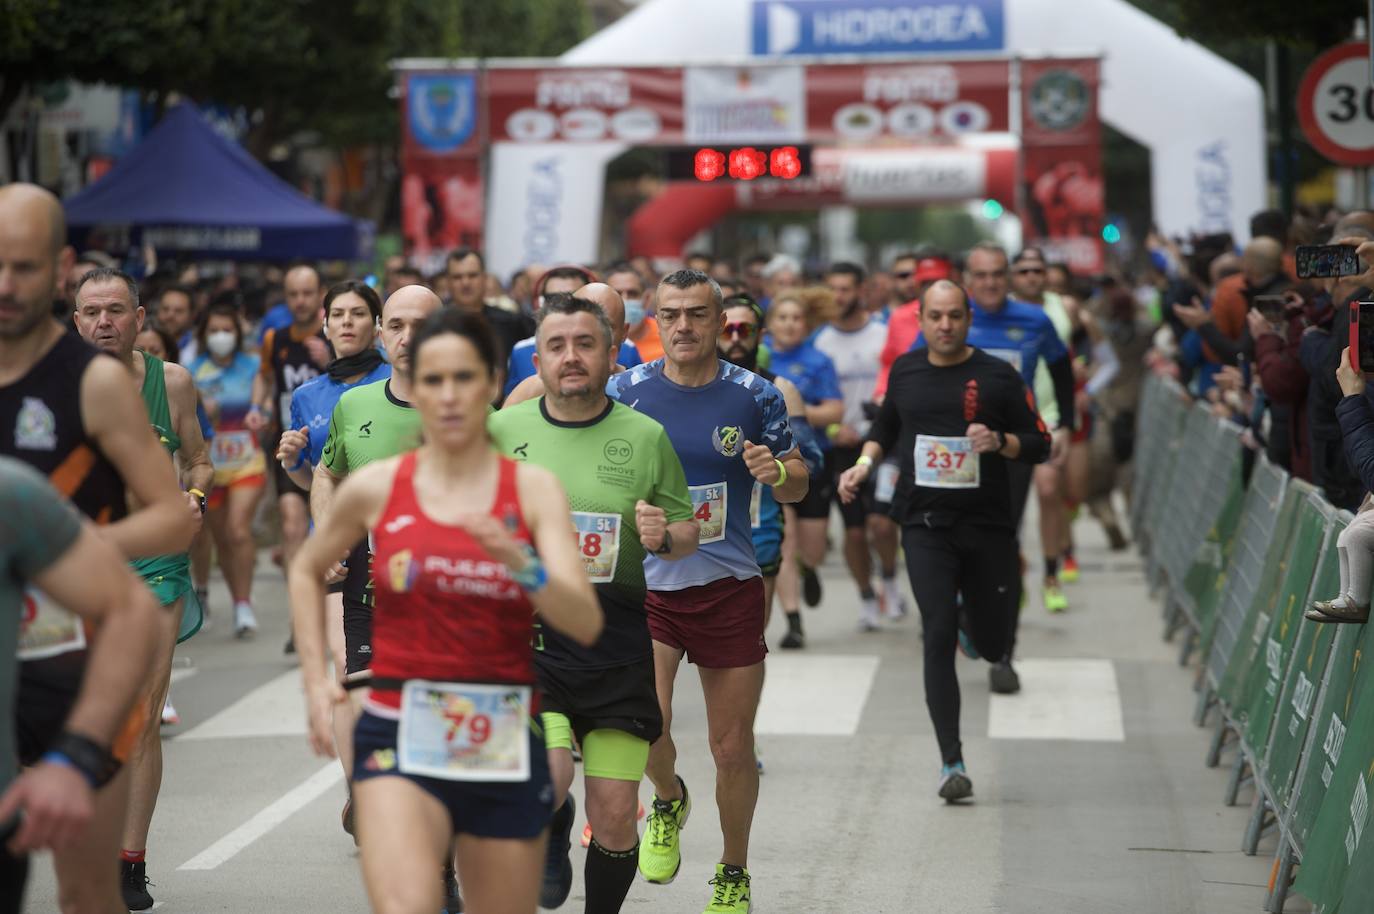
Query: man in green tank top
x=629, y=496
x=109, y=317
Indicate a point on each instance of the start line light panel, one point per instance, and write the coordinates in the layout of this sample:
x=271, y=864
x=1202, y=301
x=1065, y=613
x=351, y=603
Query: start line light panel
x=739, y=163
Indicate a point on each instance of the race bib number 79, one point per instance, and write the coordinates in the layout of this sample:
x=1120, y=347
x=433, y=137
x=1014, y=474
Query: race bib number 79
x=708, y=507
x=464, y=731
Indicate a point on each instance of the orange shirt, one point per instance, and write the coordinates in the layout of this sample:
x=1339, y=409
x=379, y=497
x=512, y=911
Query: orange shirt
x=903, y=326
x=649, y=345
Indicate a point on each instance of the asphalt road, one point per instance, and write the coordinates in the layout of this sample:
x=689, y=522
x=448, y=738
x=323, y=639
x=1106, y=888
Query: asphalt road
x=1091, y=796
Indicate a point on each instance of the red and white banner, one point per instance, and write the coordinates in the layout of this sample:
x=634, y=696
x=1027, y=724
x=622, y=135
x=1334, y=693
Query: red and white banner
x=441, y=184
x=900, y=104
x=1062, y=161
x=640, y=105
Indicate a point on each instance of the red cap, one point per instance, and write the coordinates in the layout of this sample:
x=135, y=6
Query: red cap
x=930, y=269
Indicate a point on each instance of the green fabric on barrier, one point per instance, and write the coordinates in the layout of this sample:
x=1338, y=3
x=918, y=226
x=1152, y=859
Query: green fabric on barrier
x=1341, y=823
x=1250, y=639
x=1259, y=695
x=1347, y=679
x=1205, y=579
x=1288, y=739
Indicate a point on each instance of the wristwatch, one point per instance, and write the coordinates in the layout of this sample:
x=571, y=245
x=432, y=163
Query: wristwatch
x=1001, y=440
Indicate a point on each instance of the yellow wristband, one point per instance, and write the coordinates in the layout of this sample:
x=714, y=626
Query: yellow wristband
x=782, y=473
x=832, y=430
x=196, y=492
x=864, y=461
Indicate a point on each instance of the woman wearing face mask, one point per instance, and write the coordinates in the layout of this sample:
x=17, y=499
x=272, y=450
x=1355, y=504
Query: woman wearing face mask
x=223, y=373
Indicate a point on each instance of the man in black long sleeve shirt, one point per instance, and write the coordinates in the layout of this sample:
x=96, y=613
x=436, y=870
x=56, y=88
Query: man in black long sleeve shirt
x=957, y=417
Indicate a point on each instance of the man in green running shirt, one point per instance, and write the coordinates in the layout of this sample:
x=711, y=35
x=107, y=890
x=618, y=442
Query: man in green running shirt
x=371, y=422
x=109, y=317
x=629, y=498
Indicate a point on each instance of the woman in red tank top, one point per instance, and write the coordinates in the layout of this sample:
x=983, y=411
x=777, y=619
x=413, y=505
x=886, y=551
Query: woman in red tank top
x=467, y=545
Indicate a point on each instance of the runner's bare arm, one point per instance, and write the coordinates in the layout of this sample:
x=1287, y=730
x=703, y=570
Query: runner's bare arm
x=356, y=507
x=114, y=416
x=528, y=389
x=796, y=406
x=568, y=602
x=91, y=579
x=798, y=481
x=322, y=485
x=826, y=412
x=196, y=470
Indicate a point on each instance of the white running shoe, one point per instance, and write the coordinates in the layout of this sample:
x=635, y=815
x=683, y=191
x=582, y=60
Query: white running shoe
x=894, y=604
x=869, y=615
x=170, y=717
x=245, y=623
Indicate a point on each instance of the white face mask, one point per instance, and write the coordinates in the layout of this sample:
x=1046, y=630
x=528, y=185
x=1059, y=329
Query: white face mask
x=221, y=343
x=634, y=311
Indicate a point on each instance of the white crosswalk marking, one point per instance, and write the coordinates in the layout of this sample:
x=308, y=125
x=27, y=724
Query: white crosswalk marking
x=269, y=818
x=1060, y=699
x=275, y=708
x=815, y=695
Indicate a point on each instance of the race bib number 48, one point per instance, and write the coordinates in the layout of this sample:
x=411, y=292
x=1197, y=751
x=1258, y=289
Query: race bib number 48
x=946, y=463
x=464, y=731
x=598, y=542
x=708, y=507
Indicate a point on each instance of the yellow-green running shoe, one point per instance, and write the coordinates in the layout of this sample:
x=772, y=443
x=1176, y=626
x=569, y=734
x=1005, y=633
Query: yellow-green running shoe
x=1055, y=601
x=659, y=853
x=731, y=894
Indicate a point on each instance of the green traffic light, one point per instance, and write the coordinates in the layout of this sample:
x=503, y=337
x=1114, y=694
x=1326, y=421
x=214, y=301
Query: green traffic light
x=992, y=209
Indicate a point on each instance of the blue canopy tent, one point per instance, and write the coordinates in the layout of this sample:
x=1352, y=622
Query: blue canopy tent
x=188, y=190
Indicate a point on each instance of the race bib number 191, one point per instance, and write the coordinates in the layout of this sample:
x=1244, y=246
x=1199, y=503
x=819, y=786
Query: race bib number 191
x=946, y=463
x=464, y=731
x=598, y=542
x=708, y=507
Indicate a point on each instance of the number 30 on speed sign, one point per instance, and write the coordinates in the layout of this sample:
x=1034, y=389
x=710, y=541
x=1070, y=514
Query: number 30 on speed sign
x=1336, y=105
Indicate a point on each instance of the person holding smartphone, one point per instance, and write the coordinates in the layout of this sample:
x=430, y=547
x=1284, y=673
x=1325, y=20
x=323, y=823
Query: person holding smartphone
x=1278, y=339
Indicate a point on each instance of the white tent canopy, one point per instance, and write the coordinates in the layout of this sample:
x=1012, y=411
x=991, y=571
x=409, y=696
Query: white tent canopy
x=1201, y=118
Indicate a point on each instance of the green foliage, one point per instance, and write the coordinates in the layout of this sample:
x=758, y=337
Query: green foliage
x=312, y=65
x=1313, y=24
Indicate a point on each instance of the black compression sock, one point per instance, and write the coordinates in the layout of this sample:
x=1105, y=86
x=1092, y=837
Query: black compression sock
x=794, y=622
x=608, y=876
x=866, y=593
x=1051, y=568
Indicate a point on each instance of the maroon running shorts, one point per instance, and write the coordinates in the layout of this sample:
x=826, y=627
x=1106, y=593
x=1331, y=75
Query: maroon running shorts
x=719, y=625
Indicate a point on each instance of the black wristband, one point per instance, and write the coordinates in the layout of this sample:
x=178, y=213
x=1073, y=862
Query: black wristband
x=94, y=761
x=1001, y=440
x=667, y=545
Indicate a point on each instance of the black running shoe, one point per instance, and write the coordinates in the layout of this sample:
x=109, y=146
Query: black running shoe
x=558, y=871
x=811, y=586
x=793, y=640
x=290, y=646
x=453, y=901
x=1003, y=680
x=133, y=884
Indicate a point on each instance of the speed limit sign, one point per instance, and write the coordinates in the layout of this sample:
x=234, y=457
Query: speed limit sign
x=1336, y=105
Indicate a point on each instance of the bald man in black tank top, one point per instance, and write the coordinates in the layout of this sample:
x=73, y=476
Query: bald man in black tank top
x=70, y=412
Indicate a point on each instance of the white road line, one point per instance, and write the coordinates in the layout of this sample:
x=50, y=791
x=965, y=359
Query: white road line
x=275, y=708
x=815, y=695
x=269, y=818
x=1060, y=699
x=183, y=672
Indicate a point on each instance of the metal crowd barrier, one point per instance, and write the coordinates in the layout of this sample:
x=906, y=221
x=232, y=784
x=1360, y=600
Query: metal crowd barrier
x=1236, y=562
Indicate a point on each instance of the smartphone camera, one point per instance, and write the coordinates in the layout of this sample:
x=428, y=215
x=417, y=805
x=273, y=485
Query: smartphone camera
x=1362, y=335
x=1323, y=261
x=1270, y=307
